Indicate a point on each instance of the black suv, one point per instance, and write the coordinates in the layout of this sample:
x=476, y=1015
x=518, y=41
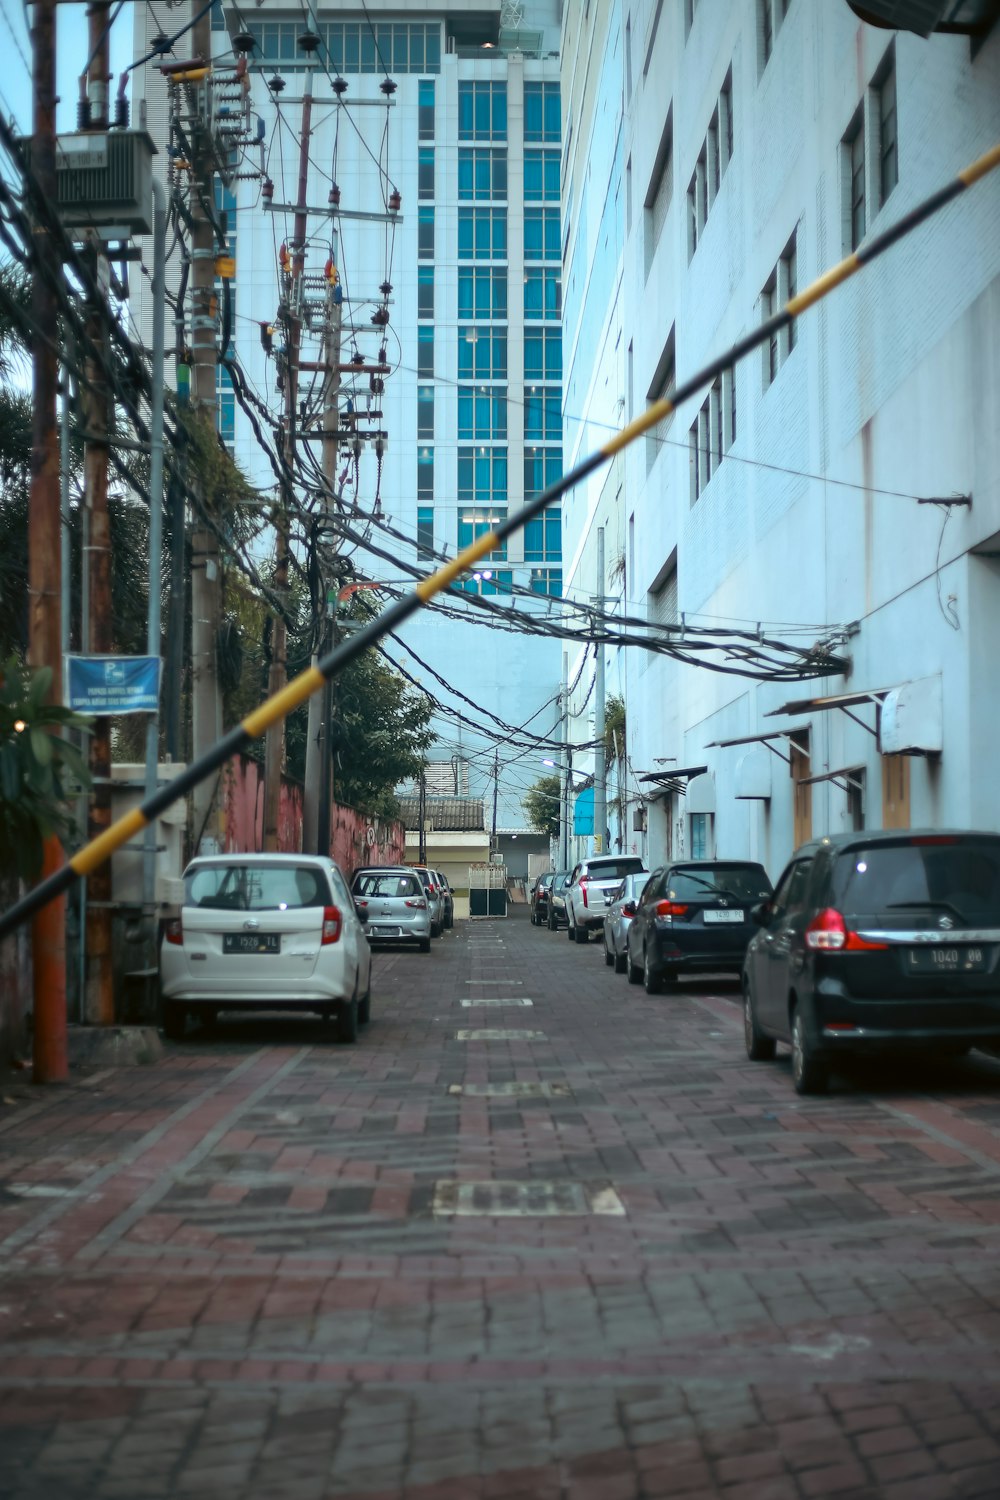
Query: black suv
x=694, y=916
x=875, y=942
x=540, y=899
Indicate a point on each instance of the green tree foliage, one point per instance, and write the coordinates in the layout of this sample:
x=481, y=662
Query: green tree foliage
x=541, y=803
x=36, y=768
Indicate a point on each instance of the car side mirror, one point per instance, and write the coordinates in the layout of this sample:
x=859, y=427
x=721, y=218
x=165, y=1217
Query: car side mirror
x=761, y=914
x=628, y=908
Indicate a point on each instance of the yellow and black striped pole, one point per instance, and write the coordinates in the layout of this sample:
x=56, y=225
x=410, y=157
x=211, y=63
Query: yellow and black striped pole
x=309, y=682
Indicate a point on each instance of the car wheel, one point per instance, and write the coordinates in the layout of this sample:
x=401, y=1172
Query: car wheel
x=760, y=1048
x=634, y=971
x=425, y=945
x=651, y=981
x=609, y=958
x=621, y=963
x=809, y=1072
x=174, y=1020
x=347, y=1020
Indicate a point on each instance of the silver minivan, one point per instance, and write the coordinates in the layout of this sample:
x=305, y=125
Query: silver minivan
x=395, y=903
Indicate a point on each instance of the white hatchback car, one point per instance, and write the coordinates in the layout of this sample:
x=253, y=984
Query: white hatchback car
x=265, y=932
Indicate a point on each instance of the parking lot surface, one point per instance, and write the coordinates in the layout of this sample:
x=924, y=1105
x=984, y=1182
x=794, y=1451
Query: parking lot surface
x=536, y=1235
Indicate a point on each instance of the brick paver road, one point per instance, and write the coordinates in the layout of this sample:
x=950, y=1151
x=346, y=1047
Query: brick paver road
x=578, y=1247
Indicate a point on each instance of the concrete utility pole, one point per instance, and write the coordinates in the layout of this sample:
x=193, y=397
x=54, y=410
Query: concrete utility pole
x=206, y=577
x=44, y=622
x=600, y=769
x=99, y=999
x=274, y=741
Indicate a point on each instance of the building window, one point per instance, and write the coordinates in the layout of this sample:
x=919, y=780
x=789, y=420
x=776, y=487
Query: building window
x=779, y=289
x=662, y=383
x=425, y=109
x=425, y=411
x=425, y=291
x=425, y=172
x=425, y=532
x=659, y=192
x=542, y=416
x=475, y=521
x=542, y=292
x=854, y=160
x=425, y=352
x=541, y=176
x=482, y=174
x=482, y=354
x=541, y=234
x=425, y=234
x=482, y=234
x=885, y=93
x=482, y=414
x=425, y=474
x=542, y=354
x=482, y=292
x=482, y=111
x=542, y=120
x=542, y=467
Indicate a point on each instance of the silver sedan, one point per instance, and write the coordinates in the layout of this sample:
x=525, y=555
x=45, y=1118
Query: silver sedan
x=621, y=910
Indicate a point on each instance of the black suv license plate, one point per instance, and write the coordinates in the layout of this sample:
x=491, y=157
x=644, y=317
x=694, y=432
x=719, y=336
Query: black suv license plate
x=251, y=942
x=951, y=960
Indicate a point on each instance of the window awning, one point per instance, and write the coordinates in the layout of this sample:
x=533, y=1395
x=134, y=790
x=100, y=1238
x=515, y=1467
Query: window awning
x=849, y=775
x=835, y=700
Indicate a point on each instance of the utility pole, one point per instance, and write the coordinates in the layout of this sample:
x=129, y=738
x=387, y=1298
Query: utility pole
x=48, y=932
x=274, y=740
x=206, y=578
x=99, y=1005
x=564, y=819
x=600, y=769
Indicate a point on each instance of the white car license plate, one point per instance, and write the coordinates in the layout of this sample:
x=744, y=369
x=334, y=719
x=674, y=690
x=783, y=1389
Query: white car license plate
x=723, y=916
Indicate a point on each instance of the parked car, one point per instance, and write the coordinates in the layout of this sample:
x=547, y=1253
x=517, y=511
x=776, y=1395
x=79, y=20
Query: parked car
x=393, y=899
x=694, y=916
x=447, y=899
x=540, y=899
x=435, y=900
x=876, y=942
x=557, y=900
x=269, y=932
x=618, y=918
x=588, y=889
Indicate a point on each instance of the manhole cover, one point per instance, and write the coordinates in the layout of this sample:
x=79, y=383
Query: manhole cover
x=507, y=1200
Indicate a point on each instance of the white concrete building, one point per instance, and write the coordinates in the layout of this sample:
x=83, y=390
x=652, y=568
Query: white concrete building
x=718, y=155
x=470, y=137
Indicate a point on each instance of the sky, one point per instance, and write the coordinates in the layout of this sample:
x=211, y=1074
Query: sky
x=71, y=56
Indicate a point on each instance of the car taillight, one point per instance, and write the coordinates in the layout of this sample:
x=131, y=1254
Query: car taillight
x=829, y=932
x=670, y=909
x=332, y=924
x=418, y=905
x=173, y=932
x=583, y=888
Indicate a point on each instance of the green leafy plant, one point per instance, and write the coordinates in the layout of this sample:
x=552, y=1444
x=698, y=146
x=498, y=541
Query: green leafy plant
x=36, y=768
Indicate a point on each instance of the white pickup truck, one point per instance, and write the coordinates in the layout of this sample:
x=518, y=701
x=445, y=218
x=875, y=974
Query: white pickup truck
x=591, y=886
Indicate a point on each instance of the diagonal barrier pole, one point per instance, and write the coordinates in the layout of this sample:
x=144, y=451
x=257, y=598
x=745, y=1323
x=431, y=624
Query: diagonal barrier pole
x=302, y=687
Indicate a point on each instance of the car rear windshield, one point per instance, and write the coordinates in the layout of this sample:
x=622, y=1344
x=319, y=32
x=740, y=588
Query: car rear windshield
x=741, y=882
x=613, y=869
x=229, y=887
x=956, y=878
x=387, y=885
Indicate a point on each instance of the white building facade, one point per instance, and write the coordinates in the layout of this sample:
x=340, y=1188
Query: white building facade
x=471, y=410
x=718, y=156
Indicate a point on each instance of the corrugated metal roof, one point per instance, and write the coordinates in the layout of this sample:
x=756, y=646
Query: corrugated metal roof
x=444, y=814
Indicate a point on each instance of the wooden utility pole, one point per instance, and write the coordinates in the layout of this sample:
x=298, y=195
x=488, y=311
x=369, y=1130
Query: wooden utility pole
x=274, y=741
x=206, y=575
x=99, y=999
x=44, y=581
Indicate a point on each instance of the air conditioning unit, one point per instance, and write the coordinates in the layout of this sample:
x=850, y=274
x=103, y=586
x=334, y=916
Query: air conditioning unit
x=104, y=179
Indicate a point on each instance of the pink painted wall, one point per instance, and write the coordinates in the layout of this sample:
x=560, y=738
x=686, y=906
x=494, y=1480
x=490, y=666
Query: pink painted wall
x=355, y=839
